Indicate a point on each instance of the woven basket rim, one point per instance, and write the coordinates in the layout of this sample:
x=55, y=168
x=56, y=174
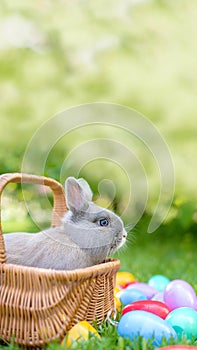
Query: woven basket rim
x=81, y=272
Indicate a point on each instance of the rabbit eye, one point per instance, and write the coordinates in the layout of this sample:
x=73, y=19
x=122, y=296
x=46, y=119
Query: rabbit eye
x=104, y=222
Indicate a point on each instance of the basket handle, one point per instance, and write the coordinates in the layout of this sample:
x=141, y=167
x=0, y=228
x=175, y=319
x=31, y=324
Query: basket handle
x=59, y=206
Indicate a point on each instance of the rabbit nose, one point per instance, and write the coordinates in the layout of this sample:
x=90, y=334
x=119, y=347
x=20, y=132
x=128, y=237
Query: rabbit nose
x=124, y=234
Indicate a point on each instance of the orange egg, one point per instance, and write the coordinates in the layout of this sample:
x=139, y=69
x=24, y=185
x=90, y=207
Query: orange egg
x=123, y=278
x=79, y=332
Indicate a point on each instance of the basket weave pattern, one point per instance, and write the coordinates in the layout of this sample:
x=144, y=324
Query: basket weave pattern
x=40, y=305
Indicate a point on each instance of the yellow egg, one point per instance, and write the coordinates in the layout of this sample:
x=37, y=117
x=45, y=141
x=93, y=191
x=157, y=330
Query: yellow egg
x=117, y=303
x=79, y=332
x=123, y=278
x=117, y=290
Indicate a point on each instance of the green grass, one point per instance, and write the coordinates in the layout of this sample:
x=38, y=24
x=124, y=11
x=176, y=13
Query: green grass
x=175, y=258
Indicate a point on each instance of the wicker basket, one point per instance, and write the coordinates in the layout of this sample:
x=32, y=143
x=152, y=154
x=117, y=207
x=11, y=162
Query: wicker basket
x=40, y=305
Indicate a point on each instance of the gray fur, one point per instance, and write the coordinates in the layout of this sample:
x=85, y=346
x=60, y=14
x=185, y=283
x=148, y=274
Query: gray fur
x=79, y=242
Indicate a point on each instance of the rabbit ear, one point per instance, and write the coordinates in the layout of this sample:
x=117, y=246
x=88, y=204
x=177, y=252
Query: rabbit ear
x=87, y=192
x=76, y=201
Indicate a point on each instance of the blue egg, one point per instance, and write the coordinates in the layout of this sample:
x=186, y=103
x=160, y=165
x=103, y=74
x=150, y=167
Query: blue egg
x=128, y=296
x=159, y=282
x=146, y=324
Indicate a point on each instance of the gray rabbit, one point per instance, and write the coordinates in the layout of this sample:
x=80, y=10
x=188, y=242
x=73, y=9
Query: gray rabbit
x=87, y=235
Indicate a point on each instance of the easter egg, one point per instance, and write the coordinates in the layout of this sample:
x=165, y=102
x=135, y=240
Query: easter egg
x=179, y=293
x=145, y=288
x=195, y=305
x=124, y=278
x=129, y=283
x=79, y=332
x=159, y=297
x=184, y=322
x=155, y=307
x=127, y=296
x=116, y=290
x=158, y=282
x=117, y=303
x=146, y=324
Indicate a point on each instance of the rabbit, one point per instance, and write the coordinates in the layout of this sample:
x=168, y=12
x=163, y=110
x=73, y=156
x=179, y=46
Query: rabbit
x=87, y=235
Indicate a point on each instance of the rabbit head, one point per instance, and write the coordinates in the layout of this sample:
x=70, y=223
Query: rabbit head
x=93, y=228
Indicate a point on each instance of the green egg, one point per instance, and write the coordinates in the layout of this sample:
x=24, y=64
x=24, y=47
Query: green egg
x=184, y=322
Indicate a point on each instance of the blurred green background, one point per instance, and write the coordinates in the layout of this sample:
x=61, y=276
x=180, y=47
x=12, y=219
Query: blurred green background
x=137, y=53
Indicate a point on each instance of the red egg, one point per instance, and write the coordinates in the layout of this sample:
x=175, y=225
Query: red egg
x=155, y=307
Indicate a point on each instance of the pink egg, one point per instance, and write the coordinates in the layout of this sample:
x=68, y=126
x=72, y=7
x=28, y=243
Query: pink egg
x=179, y=293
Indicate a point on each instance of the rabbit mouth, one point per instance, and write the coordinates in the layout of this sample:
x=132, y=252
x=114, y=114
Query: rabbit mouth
x=118, y=242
